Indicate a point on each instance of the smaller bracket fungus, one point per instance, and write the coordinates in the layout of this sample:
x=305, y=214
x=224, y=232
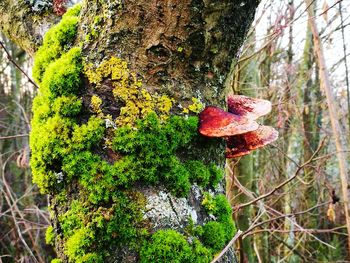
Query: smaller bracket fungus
x=238, y=126
x=247, y=107
x=243, y=144
x=215, y=122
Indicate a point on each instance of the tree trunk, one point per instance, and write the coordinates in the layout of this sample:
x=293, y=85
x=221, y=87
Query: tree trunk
x=245, y=76
x=114, y=134
x=336, y=128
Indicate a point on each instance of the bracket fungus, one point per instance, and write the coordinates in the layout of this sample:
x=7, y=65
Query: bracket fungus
x=215, y=122
x=250, y=108
x=238, y=126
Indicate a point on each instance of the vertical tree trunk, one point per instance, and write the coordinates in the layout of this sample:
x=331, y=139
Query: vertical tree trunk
x=326, y=87
x=244, y=78
x=114, y=134
x=288, y=134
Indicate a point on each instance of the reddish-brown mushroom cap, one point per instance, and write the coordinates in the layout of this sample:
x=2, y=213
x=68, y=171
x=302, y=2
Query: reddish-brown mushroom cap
x=215, y=122
x=243, y=144
x=247, y=107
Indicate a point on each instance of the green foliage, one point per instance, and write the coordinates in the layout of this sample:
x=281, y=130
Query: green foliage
x=87, y=135
x=214, y=235
x=59, y=70
x=152, y=149
x=48, y=141
x=41, y=109
x=56, y=41
x=69, y=106
x=76, y=245
x=328, y=254
x=50, y=235
x=200, y=254
x=73, y=218
x=73, y=11
x=200, y=172
x=217, y=174
x=62, y=77
x=56, y=260
x=90, y=258
x=171, y=246
x=85, y=223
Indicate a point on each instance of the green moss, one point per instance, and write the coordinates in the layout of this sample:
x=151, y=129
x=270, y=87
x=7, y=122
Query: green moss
x=56, y=260
x=76, y=245
x=62, y=77
x=87, y=135
x=56, y=41
x=42, y=110
x=67, y=106
x=50, y=235
x=112, y=226
x=200, y=254
x=171, y=246
x=216, y=174
x=90, y=258
x=200, y=172
x=49, y=141
x=73, y=11
x=73, y=218
x=152, y=149
x=166, y=246
x=214, y=235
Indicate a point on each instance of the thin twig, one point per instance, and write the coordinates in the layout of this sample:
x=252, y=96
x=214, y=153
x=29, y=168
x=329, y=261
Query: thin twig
x=233, y=240
x=13, y=136
x=9, y=57
x=315, y=231
x=300, y=167
x=9, y=199
x=246, y=233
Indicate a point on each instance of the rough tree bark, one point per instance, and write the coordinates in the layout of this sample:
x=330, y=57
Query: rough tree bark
x=174, y=57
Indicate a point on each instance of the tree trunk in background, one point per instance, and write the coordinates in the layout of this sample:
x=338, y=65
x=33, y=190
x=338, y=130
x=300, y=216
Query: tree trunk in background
x=336, y=128
x=243, y=171
x=288, y=134
x=245, y=78
x=182, y=52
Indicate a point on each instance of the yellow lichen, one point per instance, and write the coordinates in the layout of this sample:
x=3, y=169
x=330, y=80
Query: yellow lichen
x=138, y=101
x=96, y=104
x=164, y=104
x=115, y=68
x=196, y=106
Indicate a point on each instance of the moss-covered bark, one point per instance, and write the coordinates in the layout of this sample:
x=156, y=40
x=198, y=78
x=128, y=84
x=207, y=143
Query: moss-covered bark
x=26, y=21
x=114, y=135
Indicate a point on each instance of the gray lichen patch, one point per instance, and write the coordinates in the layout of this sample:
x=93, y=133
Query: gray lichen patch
x=39, y=5
x=164, y=210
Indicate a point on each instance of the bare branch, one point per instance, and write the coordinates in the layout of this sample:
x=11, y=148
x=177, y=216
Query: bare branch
x=300, y=167
x=17, y=66
x=233, y=240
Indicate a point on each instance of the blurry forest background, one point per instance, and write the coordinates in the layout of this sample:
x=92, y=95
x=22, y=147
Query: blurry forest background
x=288, y=199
